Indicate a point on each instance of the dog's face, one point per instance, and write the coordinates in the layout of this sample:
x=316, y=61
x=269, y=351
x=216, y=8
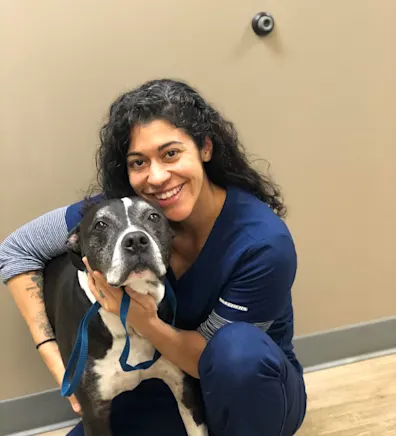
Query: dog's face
x=127, y=240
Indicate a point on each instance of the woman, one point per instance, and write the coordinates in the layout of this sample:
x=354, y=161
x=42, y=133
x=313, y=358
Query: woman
x=232, y=267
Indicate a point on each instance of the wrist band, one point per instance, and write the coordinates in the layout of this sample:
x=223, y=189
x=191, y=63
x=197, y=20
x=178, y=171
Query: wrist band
x=41, y=343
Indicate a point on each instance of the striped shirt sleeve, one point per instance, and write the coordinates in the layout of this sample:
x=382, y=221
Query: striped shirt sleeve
x=215, y=322
x=31, y=246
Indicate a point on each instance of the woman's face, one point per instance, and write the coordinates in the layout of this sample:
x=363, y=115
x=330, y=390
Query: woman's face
x=165, y=167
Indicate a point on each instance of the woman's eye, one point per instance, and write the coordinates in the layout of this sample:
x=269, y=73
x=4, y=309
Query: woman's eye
x=171, y=154
x=100, y=225
x=154, y=217
x=136, y=164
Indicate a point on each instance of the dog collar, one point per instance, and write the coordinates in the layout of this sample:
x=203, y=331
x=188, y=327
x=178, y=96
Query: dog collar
x=79, y=355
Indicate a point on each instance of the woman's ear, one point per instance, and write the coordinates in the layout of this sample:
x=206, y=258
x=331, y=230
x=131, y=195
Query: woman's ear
x=207, y=150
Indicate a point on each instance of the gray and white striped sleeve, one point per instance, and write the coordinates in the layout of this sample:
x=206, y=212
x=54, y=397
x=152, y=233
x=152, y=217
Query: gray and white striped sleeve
x=31, y=246
x=215, y=322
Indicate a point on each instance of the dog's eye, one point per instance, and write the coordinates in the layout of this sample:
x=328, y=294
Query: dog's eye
x=154, y=217
x=100, y=225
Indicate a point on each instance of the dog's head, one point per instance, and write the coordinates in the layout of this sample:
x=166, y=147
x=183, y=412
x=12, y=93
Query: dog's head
x=128, y=240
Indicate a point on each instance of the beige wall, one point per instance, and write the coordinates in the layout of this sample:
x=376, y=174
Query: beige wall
x=317, y=99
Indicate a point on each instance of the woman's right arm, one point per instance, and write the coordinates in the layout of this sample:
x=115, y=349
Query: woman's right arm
x=27, y=291
x=23, y=256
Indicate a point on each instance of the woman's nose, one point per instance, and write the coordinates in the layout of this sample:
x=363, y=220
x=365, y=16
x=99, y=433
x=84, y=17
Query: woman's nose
x=158, y=175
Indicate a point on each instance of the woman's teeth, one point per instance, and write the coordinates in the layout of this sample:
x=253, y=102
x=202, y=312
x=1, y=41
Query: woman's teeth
x=168, y=194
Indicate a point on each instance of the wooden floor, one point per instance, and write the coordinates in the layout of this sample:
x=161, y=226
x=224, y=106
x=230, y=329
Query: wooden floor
x=352, y=400
x=358, y=399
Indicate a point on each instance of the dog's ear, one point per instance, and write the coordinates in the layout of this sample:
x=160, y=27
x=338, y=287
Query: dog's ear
x=74, y=248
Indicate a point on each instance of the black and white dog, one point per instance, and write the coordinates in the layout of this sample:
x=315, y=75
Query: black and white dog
x=129, y=242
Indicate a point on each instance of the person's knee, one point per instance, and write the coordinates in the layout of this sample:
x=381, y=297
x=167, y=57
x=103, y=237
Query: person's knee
x=240, y=355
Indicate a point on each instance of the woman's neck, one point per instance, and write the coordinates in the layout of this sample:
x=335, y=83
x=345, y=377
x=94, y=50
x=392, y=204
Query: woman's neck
x=206, y=210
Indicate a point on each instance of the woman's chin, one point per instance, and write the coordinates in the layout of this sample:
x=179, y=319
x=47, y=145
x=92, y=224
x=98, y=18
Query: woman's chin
x=177, y=215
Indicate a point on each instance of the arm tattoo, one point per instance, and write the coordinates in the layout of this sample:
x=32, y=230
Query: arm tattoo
x=36, y=289
x=43, y=324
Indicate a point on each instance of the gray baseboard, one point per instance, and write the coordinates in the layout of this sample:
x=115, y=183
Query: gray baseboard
x=346, y=342
x=47, y=410
x=29, y=414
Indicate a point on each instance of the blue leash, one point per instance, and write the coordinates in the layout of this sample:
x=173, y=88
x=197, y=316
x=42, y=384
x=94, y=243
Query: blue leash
x=79, y=354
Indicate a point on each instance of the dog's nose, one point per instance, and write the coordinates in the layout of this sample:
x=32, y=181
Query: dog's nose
x=136, y=242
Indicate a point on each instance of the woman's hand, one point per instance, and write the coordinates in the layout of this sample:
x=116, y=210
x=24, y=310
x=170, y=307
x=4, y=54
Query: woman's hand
x=142, y=314
x=183, y=348
x=108, y=297
x=52, y=358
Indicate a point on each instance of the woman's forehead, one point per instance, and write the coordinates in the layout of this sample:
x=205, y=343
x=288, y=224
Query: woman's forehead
x=154, y=136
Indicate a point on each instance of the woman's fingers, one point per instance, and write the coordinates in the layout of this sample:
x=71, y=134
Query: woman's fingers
x=97, y=287
x=75, y=404
x=85, y=260
x=139, y=298
x=146, y=301
x=97, y=292
x=108, y=297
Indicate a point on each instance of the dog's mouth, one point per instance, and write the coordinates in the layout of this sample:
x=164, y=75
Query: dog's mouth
x=143, y=276
x=139, y=272
x=146, y=282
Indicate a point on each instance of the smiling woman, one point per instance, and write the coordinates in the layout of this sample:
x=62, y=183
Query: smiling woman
x=192, y=121
x=165, y=167
x=232, y=266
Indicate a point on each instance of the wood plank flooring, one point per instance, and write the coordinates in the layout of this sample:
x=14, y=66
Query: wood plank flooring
x=352, y=400
x=358, y=399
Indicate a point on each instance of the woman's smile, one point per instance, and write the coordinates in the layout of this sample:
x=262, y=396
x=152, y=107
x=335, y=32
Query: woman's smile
x=168, y=197
x=165, y=166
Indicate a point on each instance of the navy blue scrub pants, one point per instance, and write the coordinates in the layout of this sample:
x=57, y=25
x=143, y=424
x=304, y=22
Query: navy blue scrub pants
x=248, y=385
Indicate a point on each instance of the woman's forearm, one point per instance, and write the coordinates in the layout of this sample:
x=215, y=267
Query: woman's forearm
x=182, y=347
x=27, y=291
x=23, y=254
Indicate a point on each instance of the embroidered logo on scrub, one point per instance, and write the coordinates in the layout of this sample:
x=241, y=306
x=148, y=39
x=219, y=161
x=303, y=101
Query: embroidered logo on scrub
x=233, y=306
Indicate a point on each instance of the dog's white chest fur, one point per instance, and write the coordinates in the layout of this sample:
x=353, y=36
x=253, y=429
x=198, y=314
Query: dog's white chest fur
x=112, y=380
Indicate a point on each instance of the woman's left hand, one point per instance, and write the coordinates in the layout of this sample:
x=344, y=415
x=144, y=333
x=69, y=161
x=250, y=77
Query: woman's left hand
x=142, y=312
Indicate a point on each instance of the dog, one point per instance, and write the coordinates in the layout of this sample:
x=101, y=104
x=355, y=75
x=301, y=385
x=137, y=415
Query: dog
x=129, y=241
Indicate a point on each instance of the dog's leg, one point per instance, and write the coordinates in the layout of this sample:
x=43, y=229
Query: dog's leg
x=192, y=428
x=187, y=395
x=97, y=422
x=96, y=417
x=192, y=400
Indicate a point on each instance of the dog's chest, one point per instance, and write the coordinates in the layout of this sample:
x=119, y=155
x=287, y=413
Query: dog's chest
x=112, y=380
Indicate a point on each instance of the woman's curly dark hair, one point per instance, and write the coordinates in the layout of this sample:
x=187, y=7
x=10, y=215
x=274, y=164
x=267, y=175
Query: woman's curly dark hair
x=182, y=106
